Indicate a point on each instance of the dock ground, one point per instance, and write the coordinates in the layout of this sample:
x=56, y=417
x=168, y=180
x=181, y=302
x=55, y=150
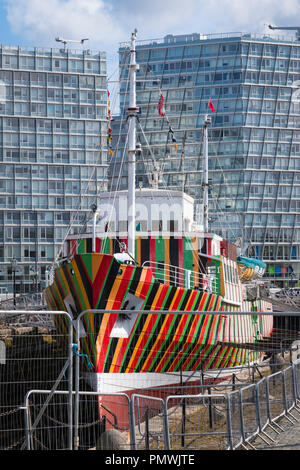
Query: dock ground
x=286, y=438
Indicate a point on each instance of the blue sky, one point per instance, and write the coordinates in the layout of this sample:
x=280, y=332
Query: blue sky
x=106, y=23
x=6, y=35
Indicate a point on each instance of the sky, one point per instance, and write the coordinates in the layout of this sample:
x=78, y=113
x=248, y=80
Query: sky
x=107, y=23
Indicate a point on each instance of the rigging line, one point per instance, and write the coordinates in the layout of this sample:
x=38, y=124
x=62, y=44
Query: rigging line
x=114, y=72
x=223, y=214
x=159, y=83
x=114, y=95
x=115, y=162
x=198, y=260
x=170, y=130
x=77, y=213
x=117, y=186
x=80, y=196
x=112, y=205
x=229, y=199
x=214, y=200
x=119, y=173
x=121, y=124
x=74, y=218
x=147, y=143
x=153, y=158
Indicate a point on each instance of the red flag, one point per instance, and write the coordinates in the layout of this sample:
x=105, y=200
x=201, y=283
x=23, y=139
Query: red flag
x=161, y=105
x=210, y=105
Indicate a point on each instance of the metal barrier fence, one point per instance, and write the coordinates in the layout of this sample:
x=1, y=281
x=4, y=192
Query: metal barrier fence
x=44, y=404
x=48, y=428
x=272, y=399
x=192, y=422
x=148, y=423
x=201, y=423
x=32, y=354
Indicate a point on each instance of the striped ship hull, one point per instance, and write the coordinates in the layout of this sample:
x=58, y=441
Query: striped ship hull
x=158, y=347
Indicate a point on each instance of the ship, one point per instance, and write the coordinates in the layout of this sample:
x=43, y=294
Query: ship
x=170, y=294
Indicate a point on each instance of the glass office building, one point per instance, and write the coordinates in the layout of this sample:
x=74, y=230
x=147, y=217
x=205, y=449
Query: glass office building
x=254, y=148
x=53, y=154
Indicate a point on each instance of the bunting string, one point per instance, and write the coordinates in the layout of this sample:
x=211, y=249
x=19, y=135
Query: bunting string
x=109, y=136
x=161, y=110
x=210, y=105
x=162, y=113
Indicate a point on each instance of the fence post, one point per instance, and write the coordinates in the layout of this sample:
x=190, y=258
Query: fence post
x=70, y=384
x=27, y=422
x=297, y=378
x=241, y=415
x=132, y=423
x=286, y=403
x=183, y=419
x=77, y=373
x=147, y=439
x=166, y=425
x=294, y=374
x=228, y=422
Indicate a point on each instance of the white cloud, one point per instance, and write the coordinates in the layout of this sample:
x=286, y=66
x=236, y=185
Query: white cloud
x=253, y=15
x=41, y=20
x=107, y=22
x=152, y=17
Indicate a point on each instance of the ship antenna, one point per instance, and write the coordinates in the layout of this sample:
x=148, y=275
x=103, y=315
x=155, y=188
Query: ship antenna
x=132, y=114
x=205, y=185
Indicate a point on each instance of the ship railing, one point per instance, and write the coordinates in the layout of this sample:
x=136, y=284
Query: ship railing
x=181, y=277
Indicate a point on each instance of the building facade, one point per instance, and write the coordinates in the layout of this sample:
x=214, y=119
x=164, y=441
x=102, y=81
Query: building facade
x=53, y=155
x=254, y=139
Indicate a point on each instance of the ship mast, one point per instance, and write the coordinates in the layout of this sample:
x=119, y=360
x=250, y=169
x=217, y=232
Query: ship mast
x=132, y=112
x=206, y=123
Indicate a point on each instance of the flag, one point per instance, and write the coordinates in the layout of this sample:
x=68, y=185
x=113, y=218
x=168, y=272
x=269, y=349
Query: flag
x=109, y=130
x=211, y=106
x=161, y=105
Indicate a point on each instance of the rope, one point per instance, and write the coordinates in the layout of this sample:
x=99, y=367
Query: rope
x=76, y=353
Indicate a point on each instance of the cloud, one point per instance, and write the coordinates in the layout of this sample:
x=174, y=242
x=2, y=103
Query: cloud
x=158, y=18
x=41, y=21
x=152, y=17
x=254, y=14
x=107, y=23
